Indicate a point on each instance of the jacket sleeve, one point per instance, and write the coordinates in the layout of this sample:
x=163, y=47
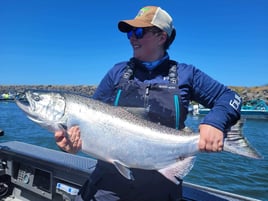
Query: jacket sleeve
x=224, y=103
x=105, y=90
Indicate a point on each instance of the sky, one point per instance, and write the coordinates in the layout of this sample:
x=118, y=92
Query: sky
x=75, y=42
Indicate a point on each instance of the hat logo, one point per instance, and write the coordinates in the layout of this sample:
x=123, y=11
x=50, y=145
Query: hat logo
x=142, y=11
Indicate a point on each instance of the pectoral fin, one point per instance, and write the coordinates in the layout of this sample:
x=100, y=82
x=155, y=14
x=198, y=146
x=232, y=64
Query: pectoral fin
x=124, y=170
x=178, y=170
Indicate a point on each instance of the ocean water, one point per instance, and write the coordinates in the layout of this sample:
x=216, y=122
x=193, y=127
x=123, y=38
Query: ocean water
x=223, y=171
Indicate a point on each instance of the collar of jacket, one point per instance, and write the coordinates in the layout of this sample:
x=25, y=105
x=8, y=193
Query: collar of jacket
x=142, y=73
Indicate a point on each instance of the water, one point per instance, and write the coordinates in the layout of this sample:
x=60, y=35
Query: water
x=224, y=171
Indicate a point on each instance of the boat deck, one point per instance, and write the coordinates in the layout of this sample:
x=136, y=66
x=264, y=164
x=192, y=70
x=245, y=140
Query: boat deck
x=30, y=173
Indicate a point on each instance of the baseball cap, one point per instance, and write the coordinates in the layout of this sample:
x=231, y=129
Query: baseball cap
x=149, y=16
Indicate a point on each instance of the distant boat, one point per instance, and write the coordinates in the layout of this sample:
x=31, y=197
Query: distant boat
x=11, y=96
x=253, y=109
x=7, y=96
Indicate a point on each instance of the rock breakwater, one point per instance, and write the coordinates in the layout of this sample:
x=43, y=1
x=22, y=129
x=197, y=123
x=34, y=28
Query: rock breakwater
x=80, y=89
x=247, y=93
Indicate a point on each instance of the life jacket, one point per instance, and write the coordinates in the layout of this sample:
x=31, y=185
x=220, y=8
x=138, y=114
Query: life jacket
x=161, y=98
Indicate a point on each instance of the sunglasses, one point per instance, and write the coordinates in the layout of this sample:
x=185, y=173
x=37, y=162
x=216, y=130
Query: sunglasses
x=138, y=32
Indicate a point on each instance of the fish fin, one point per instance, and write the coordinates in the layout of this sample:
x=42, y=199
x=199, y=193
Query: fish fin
x=124, y=170
x=236, y=143
x=176, y=171
x=139, y=112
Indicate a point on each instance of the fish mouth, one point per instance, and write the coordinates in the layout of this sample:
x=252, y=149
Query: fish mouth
x=25, y=106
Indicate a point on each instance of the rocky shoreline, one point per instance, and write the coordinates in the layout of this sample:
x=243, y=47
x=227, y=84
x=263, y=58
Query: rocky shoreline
x=251, y=93
x=80, y=89
x=247, y=93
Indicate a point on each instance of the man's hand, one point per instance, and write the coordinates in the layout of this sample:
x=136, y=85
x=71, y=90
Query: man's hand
x=211, y=138
x=71, y=143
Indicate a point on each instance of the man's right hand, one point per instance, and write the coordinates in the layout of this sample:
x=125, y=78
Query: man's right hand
x=70, y=141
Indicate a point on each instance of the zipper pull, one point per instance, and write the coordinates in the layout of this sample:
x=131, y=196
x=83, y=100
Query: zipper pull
x=147, y=90
x=146, y=96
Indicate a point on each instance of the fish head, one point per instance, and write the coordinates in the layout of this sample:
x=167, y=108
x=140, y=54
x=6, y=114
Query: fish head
x=45, y=108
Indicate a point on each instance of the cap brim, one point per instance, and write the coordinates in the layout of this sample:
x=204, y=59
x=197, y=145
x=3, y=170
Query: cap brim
x=127, y=25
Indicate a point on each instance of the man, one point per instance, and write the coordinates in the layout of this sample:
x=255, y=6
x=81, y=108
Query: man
x=165, y=88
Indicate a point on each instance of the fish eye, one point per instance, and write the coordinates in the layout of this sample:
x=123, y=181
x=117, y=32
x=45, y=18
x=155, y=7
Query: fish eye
x=36, y=97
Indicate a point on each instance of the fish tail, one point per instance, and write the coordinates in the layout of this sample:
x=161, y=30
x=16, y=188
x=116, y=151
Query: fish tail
x=236, y=143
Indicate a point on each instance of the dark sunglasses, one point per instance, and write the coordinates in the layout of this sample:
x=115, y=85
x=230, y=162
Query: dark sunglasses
x=138, y=32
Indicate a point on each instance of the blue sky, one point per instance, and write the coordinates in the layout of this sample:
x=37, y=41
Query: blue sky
x=66, y=42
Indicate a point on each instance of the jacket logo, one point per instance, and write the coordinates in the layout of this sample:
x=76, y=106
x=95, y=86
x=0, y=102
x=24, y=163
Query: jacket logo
x=236, y=102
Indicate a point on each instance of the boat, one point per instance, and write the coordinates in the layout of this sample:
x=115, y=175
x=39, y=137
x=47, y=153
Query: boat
x=7, y=96
x=11, y=96
x=33, y=173
x=253, y=109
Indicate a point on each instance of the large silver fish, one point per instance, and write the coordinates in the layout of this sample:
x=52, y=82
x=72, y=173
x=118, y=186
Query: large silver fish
x=115, y=135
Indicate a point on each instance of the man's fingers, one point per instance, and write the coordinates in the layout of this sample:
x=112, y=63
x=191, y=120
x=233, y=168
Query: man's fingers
x=70, y=141
x=209, y=146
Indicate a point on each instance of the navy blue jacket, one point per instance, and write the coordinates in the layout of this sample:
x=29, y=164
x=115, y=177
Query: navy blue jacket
x=194, y=85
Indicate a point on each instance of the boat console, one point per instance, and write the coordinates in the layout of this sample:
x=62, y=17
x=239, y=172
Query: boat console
x=29, y=172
